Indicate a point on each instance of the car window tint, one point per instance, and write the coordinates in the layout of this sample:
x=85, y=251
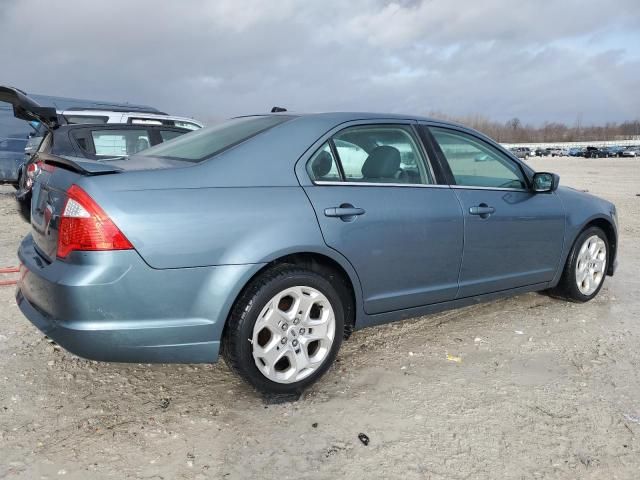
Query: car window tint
x=116, y=143
x=85, y=119
x=208, y=142
x=323, y=167
x=381, y=154
x=476, y=163
x=167, y=135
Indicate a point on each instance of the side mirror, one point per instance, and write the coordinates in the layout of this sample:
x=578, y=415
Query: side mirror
x=545, y=182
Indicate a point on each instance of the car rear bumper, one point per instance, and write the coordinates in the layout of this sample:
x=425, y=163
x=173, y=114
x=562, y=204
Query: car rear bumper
x=111, y=306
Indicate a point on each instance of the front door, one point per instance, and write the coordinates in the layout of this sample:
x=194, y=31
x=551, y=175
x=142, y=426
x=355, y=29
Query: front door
x=512, y=236
x=377, y=203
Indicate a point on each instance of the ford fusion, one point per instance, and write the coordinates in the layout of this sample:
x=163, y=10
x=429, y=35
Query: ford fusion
x=268, y=239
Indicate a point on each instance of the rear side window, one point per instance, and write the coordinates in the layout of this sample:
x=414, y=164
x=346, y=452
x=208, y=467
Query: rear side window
x=117, y=143
x=372, y=154
x=323, y=166
x=208, y=142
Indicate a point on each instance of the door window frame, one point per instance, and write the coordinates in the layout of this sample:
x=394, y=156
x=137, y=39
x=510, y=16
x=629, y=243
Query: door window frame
x=417, y=138
x=525, y=171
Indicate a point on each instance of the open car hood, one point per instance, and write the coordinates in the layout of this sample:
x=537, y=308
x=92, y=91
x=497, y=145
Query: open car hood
x=28, y=109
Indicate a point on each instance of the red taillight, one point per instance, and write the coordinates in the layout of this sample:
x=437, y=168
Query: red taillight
x=85, y=226
x=32, y=169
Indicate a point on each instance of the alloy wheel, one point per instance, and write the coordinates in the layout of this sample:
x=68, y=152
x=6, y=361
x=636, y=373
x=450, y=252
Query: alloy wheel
x=591, y=265
x=293, y=334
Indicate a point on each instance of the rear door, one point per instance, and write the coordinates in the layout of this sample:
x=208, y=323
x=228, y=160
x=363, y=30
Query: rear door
x=512, y=236
x=378, y=204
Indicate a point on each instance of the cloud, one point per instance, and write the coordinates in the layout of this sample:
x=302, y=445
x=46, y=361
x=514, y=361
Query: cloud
x=538, y=60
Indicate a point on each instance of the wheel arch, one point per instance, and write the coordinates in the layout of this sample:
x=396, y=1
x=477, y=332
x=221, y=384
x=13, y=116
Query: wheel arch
x=327, y=264
x=612, y=237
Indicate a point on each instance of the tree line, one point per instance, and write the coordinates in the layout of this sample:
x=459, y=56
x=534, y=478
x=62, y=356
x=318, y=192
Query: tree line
x=514, y=131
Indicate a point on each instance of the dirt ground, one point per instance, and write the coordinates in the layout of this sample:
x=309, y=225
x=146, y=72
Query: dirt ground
x=543, y=389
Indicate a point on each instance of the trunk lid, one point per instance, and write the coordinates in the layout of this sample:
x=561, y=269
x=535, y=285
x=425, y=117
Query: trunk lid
x=26, y=108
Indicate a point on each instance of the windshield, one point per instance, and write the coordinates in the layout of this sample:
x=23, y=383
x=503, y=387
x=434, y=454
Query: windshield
x=207, y=142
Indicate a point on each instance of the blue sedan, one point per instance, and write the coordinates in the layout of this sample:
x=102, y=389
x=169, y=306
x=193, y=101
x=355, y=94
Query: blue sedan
x=268, y=239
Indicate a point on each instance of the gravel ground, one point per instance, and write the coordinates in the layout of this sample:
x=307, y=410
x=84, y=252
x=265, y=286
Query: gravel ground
x=541, y=389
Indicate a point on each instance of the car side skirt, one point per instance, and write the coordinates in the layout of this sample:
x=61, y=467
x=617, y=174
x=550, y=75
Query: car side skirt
x=382, y=318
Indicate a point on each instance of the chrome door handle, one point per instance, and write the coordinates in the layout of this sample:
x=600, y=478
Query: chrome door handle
x=483, y=210
x=344, y=211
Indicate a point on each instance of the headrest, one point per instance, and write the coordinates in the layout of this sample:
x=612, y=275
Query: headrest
x=382, y=162
x=322, y=164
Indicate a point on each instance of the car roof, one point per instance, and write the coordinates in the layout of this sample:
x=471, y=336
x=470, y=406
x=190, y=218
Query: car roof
x=140, y=114
x=349, y=116
x=118, y=126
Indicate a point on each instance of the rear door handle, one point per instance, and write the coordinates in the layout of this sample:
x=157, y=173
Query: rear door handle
x=343, y=211
x=483, y=210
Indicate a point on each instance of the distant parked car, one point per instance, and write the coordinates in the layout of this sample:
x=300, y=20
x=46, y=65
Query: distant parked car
x=631, y=152
x=595, y=152
x=576, y=152
x=615, y=151
x=554, y=152
x=95, y=142
x=10, y=163
x=540, y=152
x=521, y=152
x=10, y=149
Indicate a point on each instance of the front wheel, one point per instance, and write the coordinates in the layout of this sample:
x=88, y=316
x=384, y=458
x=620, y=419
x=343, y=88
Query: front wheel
x=586, y=267
x=285, y=330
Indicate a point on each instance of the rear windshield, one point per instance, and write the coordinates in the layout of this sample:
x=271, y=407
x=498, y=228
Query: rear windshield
x=207, y=142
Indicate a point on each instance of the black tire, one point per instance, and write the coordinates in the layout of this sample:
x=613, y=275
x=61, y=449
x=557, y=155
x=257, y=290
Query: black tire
x=567, y=287
x=237, y=349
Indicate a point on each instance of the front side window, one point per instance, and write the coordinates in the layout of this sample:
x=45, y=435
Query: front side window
x=118, y=143
x=475, y=163
x=376, y=154
x=208, y=142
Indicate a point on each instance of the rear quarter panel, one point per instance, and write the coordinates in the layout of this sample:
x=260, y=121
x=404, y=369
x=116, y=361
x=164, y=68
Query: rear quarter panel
x=198, y=227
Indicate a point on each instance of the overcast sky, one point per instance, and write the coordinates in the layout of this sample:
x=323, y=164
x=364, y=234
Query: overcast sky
x=539, y=60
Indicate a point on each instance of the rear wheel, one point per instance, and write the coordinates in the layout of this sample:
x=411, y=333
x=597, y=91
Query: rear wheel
x=586, y=267
x=285, y=330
